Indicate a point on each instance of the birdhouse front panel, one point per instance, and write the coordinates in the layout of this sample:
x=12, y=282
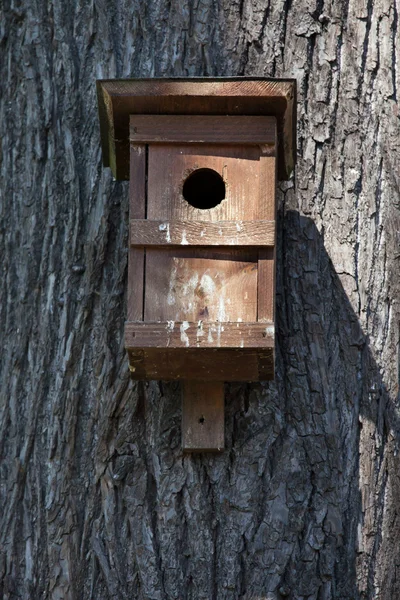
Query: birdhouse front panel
x=202, y=237
x=218, y=285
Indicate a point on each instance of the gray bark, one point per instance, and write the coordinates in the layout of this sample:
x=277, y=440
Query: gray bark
x=97, y=501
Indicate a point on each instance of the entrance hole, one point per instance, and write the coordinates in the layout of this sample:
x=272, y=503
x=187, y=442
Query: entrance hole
x=204, y=189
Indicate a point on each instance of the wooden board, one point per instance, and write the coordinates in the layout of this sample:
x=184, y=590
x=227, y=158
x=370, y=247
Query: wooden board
x=266, y=256
x=239, y=167
x=201, y=364
x=137, y=210
x=202, y=334
x=144, y=232
x=184, y=129
x=198, y=284
x=118, y=99
x=203, y=413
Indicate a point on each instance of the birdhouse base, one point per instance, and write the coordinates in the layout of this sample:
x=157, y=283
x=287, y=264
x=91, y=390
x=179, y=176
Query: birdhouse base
x=203, y=364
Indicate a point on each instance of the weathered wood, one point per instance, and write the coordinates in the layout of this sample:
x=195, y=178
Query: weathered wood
x=185, y=129
x=266, y=256
x=192, y=284
x=239, y=166
x=146, y=232
x=202, y=284
x=202, y=334
x=137, y=210
x=205, y=364
x=118, y=99
x=203, y=413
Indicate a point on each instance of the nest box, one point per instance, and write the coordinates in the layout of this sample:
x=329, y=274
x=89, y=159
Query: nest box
x=203, y=157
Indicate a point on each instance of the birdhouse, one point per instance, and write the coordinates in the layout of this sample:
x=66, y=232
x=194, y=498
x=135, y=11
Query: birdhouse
x=203, y=157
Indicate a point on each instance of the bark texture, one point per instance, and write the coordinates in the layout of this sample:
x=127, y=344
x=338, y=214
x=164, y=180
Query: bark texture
x=97, y=501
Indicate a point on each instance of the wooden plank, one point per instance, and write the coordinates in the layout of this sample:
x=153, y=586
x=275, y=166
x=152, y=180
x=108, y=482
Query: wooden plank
x=118, y=99
x=203, y=412
x=222, y=364
x=189, y=284
x=203, y=334
x=266, y=256
x=266, y=285
x=201, y=233
x=192, y=129
x=137, y=210
x=239, y=167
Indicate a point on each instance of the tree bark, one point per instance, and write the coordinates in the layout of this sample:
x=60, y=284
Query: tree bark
x=97, y=500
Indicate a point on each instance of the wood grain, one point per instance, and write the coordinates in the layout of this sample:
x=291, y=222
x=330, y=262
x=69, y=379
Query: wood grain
x=184, y=129
x=189, y=284
x=170, y=165
x=205, y=364
x=137, y=210
x=208, y=334
x=266, y=256
x=203, y=413
x=146, y=232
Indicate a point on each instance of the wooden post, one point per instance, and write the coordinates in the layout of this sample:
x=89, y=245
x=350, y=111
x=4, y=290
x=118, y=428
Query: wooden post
x=203, y=416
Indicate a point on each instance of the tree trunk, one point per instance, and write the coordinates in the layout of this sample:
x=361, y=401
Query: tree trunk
x=97, y=500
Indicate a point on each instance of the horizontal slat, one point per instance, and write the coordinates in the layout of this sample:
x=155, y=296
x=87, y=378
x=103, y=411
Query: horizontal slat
x=204, y=364
x=204, y=334
x=145, y=232
x=194, y=129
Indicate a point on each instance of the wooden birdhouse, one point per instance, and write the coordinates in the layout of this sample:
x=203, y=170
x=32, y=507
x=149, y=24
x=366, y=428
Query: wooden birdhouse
x=203, y=157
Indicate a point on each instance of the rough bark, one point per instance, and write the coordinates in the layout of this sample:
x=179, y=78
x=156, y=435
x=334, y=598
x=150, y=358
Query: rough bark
x=96, y=499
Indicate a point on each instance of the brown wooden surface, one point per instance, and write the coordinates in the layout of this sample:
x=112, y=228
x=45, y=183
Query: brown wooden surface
x=185, y=284
x=266, y=256
x=118, y=99
x=242, y=364
x=201, y=334
x=203, y=411
x=200, y=284
x=137, y=210
x=146, y=232
x=170, y=165
x=221, y=129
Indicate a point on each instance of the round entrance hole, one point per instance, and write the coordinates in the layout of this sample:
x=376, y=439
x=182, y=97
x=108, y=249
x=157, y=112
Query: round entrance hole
x=204, y=188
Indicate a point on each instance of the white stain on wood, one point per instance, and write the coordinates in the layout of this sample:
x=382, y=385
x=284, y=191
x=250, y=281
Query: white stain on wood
x=199, y=333
x=171, y=290
x=165, y=227
x=184, y=336
x=270, y=330
x=208, y=285
x=222, y=314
